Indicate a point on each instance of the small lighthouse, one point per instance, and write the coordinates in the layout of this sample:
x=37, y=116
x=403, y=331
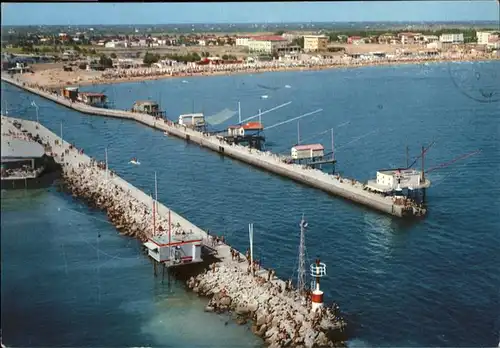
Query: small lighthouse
x=318, y=270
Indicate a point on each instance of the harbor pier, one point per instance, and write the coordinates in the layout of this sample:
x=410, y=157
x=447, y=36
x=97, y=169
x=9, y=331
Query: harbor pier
x=349, y=189
x=280, y=314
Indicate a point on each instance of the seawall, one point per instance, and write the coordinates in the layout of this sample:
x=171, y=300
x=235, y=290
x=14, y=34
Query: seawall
x=346, y=188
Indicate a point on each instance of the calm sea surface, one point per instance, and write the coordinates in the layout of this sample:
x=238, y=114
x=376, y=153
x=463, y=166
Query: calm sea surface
x=430, y=283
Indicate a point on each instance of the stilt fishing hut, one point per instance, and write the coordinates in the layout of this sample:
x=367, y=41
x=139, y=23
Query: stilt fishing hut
x=249, y=134
x=149, y=107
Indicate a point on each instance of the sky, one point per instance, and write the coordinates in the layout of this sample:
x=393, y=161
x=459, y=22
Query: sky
x=245, y=12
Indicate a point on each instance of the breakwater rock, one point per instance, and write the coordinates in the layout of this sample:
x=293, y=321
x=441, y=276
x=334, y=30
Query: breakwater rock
x=131, y=217
x=279, y=316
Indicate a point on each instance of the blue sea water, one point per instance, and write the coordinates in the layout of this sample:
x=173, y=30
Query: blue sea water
x=433, y=282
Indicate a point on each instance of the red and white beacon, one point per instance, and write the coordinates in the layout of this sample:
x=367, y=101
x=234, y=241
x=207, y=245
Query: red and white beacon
x=318, y=270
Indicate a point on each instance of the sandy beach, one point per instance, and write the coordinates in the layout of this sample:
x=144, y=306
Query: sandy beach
x=56, y=78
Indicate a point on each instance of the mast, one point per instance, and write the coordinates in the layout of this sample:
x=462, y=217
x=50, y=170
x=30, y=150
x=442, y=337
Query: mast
x=169, y=226
x=154, y=216
x=260, y=117
x=407, y=157
x=62, y=141
x=155, y=206
x=239, y=112
x=250, y=233
x=423, y=155
x=301, y=278
x=298, y=132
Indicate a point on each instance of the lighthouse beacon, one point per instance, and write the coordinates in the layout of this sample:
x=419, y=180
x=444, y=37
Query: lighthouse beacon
x=318, y=270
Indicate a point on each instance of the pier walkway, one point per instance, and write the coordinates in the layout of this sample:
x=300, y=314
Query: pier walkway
x=222, y=249
x=346, y=188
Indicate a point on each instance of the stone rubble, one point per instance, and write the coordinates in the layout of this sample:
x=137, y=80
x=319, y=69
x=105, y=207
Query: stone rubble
x=279, y=316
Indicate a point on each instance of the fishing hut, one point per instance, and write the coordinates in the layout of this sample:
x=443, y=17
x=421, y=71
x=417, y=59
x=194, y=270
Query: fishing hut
x=402, y=182
x=194, y=121
x=98, y=100
x=149, y=107
x=249, y=134
x=311, y=155
x=70, y=93
x=409, y=183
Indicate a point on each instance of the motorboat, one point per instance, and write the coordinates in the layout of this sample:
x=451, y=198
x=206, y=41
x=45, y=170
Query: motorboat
x=135, y=161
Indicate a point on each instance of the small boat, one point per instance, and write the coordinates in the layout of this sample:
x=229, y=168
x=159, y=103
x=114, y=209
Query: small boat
x=135, y=161
x=165, y=133
x=184, y=81
x=288, y=86
x=264, y=97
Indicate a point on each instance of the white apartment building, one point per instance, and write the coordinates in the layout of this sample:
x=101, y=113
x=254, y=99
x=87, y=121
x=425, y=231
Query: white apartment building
x=116, y=44
x=266, y=44
x=242, y=41
x=483, y=37
x=452, y=38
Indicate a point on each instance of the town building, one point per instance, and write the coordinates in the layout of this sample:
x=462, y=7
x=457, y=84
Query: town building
x=486, y=37
x=430, y=38
x=242, y=40
x=315, y=43
x=355, y=40
x=387, y=38
x=116, y=44
x=409, y=38
x=452, y=38
x=266, y=44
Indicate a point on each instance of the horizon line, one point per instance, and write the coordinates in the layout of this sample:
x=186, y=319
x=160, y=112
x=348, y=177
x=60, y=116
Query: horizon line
x=267, y=23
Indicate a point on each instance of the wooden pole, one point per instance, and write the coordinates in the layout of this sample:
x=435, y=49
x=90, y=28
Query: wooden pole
x=250, y=232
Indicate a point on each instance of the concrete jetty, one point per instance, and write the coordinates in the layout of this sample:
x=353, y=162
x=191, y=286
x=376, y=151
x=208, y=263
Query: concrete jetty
x=344, y=187
x=279, y=314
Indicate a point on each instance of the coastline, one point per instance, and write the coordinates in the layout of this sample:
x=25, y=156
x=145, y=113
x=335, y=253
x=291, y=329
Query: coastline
x=249, y=71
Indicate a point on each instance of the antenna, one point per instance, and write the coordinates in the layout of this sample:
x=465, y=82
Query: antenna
x=239, y=112
x=154, y=216
x=301, y=278
x=423, y=155
x=407, y=157
x=298, y=132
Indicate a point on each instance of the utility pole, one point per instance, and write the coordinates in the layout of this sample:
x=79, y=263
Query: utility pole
x=239, y=112
x=250, y=234
x=301, y=277
x=106, y=156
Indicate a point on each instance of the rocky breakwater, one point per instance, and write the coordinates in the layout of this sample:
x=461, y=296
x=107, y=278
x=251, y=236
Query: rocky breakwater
x=130, y=217
x=280, y=315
